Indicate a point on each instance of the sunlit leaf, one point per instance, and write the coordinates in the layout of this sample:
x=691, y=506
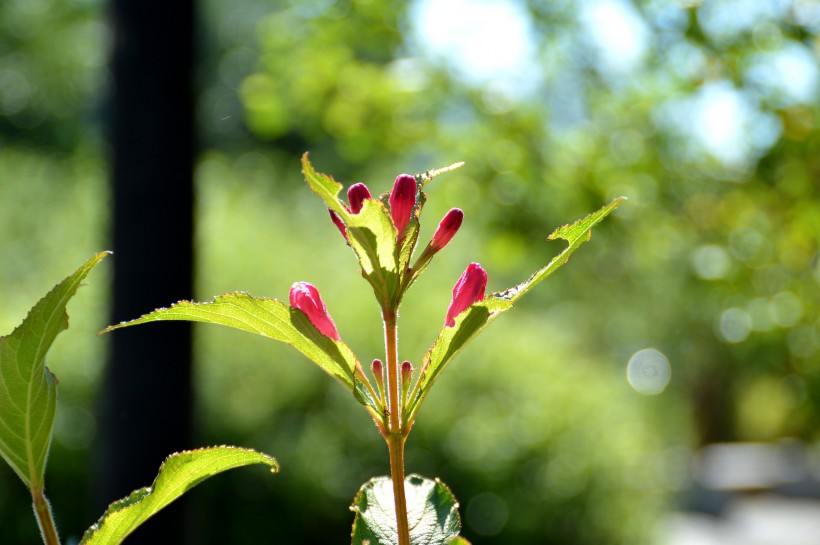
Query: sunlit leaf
x=469, y=323
x=432, y=512
x=323, y=185
x=267, y=317
x=28, y=390
x=371, y=233
x=576, y=234
x=179, y=473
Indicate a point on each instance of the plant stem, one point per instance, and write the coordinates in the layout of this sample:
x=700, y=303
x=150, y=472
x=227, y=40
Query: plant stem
x=391, y=349
x=42, y=509
x=395, y=436
x=395, y=445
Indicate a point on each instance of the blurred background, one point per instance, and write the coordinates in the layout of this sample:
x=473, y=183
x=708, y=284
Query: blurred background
x=662, y=388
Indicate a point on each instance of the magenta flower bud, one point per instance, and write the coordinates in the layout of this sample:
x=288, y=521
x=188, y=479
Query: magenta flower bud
x=446, y=229
x=305, y=297
x=402, y=201
x=356, y=196
x=468, y=290
x=337, y=221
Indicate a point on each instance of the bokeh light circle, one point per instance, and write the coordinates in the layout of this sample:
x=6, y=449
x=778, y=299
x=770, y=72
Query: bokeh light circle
x=648, y=371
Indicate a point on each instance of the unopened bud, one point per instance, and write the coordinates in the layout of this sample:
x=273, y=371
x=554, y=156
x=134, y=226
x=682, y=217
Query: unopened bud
x=402, y=200
x=446, y=229
x=356, y=196
x=378, y=373
x=337, y=221
x=305, y=297
x=468, y=290
x=406, y=375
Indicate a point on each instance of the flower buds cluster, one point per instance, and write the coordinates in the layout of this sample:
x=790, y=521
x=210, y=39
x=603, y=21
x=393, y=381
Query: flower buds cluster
x=401, y=203
x=468, y=290
x=305, y=297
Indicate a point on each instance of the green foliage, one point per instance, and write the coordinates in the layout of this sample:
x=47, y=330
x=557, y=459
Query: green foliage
x=432, y=512
x=178, y=474
x=269, y=318
x=452, y=340
x=28, y=390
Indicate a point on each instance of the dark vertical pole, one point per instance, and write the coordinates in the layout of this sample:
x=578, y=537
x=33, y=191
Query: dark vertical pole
x=146, y=398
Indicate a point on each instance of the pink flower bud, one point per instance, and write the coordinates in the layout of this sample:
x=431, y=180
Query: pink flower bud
x=447, y=229
x=378, y=372
x=356, y=196
x=468, y=290
x=337, y=221
x=406, y=374
x=305, y=297
x=402, y=201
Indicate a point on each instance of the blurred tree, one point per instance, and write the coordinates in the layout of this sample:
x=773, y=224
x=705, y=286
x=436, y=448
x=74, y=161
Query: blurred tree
x=702, y=113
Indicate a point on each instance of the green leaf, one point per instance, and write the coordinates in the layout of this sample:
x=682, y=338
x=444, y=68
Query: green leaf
x=576, y=234
x=451, y=341
x=28, y=390
x=370, y=233
x=179, y=473
x=432, y=512
x=323, y=185
x=372, y=236
x=469, y=323
x=267, y=317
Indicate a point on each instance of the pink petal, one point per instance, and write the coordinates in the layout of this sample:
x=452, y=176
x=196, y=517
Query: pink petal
x=468, y=290
x=447, y=229
x=356, y=196
x=402, y=200
x=305, y=297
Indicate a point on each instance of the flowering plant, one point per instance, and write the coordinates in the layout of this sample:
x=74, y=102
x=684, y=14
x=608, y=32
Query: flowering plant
x=383, y=233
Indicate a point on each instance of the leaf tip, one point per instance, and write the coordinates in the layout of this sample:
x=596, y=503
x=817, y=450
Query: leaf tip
x=428, y=175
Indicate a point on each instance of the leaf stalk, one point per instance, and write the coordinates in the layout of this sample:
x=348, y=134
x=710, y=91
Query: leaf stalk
x=45, y=520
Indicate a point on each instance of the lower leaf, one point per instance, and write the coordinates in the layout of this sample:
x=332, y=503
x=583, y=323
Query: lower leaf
x=432, y=513
x=179, y=473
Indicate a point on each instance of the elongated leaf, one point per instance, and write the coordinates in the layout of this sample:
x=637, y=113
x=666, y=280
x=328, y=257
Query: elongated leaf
x=28, y=390
x=371, y=233
x=432, y=512
x=267, y=317
x=576, y=234
x=323, y=185
x=469, y=323
x=179, y=473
